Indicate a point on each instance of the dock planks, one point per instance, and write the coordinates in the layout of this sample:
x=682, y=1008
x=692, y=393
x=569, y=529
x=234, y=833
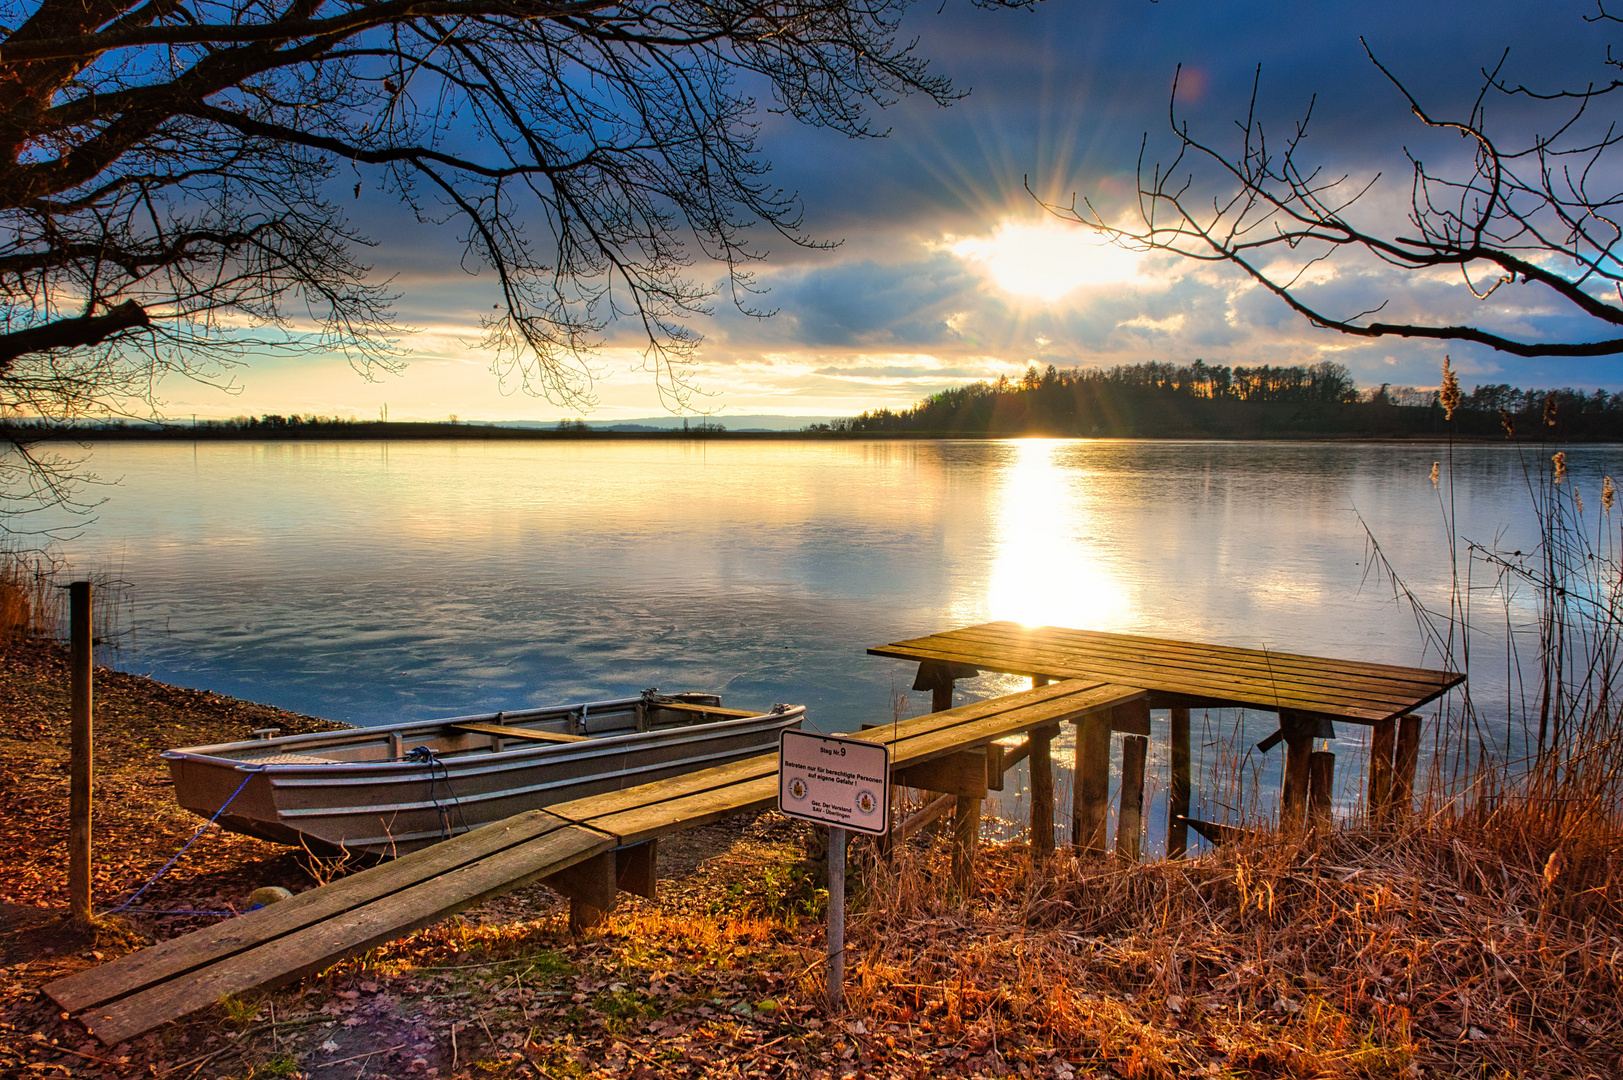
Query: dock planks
x=1343, y=689
x=284, y=942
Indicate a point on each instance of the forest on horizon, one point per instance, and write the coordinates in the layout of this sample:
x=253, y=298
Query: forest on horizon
x=1200, y=400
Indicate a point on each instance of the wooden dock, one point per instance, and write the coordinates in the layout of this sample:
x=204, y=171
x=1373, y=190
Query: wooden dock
x=590, y=849
x=1309, y=693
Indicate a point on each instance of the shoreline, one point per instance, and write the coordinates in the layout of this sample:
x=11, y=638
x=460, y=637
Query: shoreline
x=1424, y=953
x=471, y=432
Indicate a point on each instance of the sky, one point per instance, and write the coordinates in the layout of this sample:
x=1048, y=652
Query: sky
x=949, y=271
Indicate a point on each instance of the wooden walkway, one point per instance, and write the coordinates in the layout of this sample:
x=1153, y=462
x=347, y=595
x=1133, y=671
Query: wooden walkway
x=589, y=849
x=1310, y=693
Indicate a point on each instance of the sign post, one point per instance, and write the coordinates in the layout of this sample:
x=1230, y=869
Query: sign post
x=844, y=784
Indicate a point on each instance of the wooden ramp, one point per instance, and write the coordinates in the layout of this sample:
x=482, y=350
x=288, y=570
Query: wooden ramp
x=587, y=848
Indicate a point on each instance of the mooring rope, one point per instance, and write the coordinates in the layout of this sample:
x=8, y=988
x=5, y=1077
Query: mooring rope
x=426, y=755
x=176, y=857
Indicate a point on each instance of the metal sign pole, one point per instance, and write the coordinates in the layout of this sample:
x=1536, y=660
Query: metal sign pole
x=836, y=919
x=843, y=783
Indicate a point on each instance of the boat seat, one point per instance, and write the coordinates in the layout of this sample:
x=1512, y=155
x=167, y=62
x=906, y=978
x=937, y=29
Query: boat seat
x=704, y=710
x=504, y=732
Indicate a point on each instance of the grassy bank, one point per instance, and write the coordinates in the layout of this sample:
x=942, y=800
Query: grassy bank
x=1442, y=949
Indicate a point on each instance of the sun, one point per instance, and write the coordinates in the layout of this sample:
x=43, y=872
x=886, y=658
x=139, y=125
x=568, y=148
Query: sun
x=1046, y=260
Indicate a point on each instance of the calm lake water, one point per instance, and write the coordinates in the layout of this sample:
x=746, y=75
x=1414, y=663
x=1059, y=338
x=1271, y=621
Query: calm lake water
x=369, y=582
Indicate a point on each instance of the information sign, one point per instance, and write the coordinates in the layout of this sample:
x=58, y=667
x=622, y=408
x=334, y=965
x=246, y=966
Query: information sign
x=842, y=783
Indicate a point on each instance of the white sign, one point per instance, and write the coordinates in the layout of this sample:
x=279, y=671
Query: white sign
x=844, y=783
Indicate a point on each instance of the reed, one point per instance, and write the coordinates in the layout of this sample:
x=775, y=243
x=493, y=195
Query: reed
x=31, y=604
x=34, y=599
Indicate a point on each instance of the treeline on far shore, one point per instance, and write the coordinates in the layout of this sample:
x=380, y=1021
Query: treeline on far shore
x=1152, y=401
x=1198, y=400
x=295, y=426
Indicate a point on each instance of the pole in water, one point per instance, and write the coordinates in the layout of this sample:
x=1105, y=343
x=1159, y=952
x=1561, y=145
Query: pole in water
x=79, y=752
x=836, y=919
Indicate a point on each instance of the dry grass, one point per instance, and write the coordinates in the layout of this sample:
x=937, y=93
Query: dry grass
x=1366, y=955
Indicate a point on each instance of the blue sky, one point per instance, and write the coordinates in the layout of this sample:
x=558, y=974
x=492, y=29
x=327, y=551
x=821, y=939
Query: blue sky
x=948, y=271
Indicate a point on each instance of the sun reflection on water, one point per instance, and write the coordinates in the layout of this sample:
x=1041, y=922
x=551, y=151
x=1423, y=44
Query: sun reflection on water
x=1048, y=567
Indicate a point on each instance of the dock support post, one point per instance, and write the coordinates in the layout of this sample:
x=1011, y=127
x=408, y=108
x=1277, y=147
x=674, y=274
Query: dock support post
x=1042, y=794
x=1321, y=777
x=1090, y=794
x=966, y=834
x=1383, y=740
x=1403, y=767
x=1130, y=821
x=81, y=743
x=1178, y=791
x=592, y=887
x=1293, y=795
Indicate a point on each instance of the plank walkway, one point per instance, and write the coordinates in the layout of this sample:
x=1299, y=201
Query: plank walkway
x=579, y=846
x=1309, y=693
x=1184, y=673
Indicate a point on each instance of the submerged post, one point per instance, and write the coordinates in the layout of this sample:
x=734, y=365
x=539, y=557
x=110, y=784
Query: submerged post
x=836, y=919
x=1321, y=778
x=1130, y=821
x=1383, y=739
x=1178, y=791
x=80, y=745
x=1403, y=767
x=1090, y=794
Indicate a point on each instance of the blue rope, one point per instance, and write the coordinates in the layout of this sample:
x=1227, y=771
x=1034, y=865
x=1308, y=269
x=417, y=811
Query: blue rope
x=200, y=830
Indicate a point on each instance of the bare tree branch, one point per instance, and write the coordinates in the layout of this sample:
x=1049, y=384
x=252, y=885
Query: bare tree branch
x=1523, y=214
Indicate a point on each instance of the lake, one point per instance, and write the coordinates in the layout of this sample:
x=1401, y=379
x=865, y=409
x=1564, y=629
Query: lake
x=369, y=582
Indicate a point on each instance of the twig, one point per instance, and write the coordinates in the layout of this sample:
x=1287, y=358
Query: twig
x=357, y=1057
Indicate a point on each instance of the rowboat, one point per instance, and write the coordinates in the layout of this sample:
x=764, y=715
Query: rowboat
x=384, y=791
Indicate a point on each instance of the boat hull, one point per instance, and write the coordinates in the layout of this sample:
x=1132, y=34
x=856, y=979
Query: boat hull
x=362, y=792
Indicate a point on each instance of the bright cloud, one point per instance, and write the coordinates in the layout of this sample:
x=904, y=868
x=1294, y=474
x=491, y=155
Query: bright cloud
x=1046, y=260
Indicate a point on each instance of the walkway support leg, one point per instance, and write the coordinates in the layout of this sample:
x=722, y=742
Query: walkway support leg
x=1321, y=778
x=1403, y=767
x=1090, y=794
x=1293, y=797
x=1178, y=792
x=966, y=834
x=1042, y=794
x=1378, y=801
x=1130, y=821
x=592, y=887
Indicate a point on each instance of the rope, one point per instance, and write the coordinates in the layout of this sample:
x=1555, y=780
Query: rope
x=183, y=849
x=425, y=755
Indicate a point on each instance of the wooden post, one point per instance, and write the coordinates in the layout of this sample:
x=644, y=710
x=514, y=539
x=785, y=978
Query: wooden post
x=80, y=745
x=836, y=919
x=592, y=887
x=1403, y=767
x=1130, y=821
x=1042, y=793
x=1321, y=777
x=941, y=696
x=1090, y=794
x=1293, y=795
x=1178, y=792
x=966, y=834
x=1383, y=739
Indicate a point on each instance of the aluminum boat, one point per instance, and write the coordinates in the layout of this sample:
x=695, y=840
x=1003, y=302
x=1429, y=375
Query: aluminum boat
x=384, y=791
